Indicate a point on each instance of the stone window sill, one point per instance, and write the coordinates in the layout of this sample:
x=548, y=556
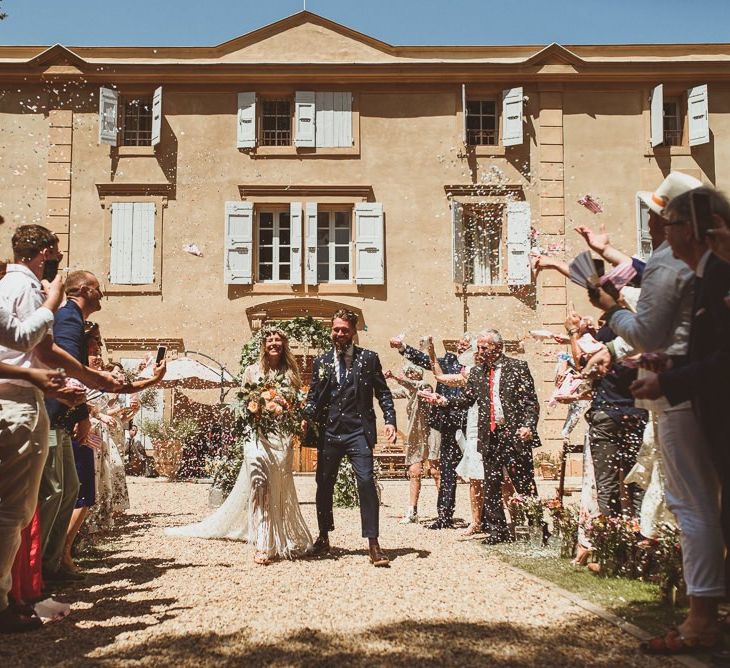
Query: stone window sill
x=135, y=151
x=666, y=151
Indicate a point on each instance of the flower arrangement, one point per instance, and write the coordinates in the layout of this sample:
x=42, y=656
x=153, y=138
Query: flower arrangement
x=345, y=494
x=615, y=545
x=526, y=510
x=271, y=406
x=565, y=525
x=668, y=563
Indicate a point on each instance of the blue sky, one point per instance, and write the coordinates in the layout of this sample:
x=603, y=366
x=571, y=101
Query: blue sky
x=209, y=22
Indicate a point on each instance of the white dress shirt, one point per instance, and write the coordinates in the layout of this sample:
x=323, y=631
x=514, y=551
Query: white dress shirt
x=349, y=352
x=498, y=410
x=21, y=298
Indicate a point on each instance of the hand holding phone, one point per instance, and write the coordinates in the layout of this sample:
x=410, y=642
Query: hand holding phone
x=161, y=352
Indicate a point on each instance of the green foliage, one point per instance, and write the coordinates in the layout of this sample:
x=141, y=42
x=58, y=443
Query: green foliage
x=345, y=494
x=307, y=331
x=268, y=407
x=225, y=468
x=148, y=399
x=171, y=440
x=565, y=526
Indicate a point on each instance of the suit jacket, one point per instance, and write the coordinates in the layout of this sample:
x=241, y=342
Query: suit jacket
x=441, y=417
x=367, y=375
x=517, y=395
x=703, y=376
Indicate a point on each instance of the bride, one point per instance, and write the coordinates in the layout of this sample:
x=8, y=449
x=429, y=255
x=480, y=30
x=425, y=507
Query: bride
x=263, y=508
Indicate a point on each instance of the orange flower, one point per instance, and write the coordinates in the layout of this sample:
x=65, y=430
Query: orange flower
x=271, y=407
x=253, y=406
x=268, y=395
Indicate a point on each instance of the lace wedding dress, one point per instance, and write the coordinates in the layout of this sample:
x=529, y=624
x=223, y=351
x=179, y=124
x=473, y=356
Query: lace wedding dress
x=262, y=508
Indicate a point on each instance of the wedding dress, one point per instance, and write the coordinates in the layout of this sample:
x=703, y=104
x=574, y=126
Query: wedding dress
x=262, y=508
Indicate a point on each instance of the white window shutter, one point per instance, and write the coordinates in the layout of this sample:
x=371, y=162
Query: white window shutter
x=333, y=119
x=143, y=244
x=458, y=261
x=304, y=115
x=698, y=115
x=643, y=237
x=120, y=266
x=311, y=256
x=295, y=221
x=464, y=134
x=518, y=243
x=108, y=114
x=657, y=115
x=238, y=262
x=157, y=116
x=369, y=244
x=246, y=121
x=512, y=116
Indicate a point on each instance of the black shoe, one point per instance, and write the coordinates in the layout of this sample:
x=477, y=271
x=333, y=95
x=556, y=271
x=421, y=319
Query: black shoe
x=321, y=546
x=440, y=524
x=63, y=575
x=11, y=621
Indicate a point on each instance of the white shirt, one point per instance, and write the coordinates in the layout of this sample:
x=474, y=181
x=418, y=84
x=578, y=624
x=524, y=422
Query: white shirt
x=496, y=401
x=349, y=352
x=21, y=297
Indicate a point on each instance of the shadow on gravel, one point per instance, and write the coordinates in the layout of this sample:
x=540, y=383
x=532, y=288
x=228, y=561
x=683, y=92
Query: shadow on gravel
x=403, y=643
x=337, y=552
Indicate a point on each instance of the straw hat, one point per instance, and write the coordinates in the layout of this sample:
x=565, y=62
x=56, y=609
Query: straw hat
x=675, y=184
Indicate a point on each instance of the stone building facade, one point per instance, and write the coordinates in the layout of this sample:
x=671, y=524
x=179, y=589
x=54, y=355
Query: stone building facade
x=314, y=166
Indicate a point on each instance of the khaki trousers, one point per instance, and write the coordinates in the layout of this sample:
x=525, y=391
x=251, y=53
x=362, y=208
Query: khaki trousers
x=23, y=449
x=57, y=497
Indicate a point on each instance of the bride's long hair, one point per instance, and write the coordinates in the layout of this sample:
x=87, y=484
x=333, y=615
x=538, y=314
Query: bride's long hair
x=287, y=363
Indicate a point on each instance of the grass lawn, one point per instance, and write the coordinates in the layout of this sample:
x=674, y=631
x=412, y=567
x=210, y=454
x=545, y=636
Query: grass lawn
x=632, y=600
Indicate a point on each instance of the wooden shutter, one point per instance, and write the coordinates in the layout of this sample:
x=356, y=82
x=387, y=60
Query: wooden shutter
x=156, y=116
x=657, y=115
x=458, y=260
x=334, y=119
x=464, y=134
x=369, y=244
x=304, y=115
x=143, y=244
x=512, y=116
x=120, y=266
x=518, y=243
x=246, y=121
x=238, y=262
x=295, y=221
x=311, y=256
x=108, y=115
x=698, y=115
x=132, y=243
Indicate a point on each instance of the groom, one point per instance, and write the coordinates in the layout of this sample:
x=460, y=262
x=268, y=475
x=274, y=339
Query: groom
x=340, y=405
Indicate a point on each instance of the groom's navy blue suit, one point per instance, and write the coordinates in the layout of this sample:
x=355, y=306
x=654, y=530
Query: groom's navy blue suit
x=340, y=404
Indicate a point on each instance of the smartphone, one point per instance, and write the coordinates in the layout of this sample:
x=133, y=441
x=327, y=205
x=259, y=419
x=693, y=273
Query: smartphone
x=161, y=352
x=50, y=269
x=701, y=214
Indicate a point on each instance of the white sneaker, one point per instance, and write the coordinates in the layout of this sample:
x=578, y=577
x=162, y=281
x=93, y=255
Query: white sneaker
x=410, y=518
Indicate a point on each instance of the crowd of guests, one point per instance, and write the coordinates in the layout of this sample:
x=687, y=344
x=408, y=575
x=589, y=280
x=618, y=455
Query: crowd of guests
x=480, y=425
x=61, y=425
x=652, y=377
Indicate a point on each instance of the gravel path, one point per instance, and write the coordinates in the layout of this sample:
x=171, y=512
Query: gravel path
x=151, y=599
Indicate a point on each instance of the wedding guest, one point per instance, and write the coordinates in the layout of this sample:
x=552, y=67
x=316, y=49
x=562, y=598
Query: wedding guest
x=419, y=445
x=24, y=435
x=446, y=421
x=701, y=377
x=508, y=412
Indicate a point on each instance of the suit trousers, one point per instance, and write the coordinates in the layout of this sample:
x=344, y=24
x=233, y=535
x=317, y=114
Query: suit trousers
x=495, y=454
x=521, y=469
x=692, y=491
x=57, y=498
x=360, y=454
x=614, y=447
x=450, y=457
x=23, y=450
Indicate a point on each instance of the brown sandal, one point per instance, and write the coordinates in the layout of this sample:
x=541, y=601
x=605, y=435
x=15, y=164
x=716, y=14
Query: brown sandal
x=673, y=642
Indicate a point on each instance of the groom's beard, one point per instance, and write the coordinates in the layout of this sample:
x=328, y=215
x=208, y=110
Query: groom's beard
x=340, y=345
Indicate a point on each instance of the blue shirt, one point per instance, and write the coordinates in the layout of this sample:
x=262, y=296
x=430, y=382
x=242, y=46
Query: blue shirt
x=68, y=334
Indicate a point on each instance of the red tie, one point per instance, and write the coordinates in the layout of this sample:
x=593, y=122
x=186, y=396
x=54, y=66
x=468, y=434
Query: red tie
x=492, y=417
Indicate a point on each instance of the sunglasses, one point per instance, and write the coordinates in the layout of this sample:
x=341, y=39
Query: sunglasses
x=676, y=222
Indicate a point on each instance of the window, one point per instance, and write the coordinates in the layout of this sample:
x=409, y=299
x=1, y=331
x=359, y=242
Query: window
x=644, y=245
x=673, y=123
x=132, y=243
x=274, y=246
x=276, y=123
x=333, y=246
x=483, y=245
x=481, y=122
x=136, y=122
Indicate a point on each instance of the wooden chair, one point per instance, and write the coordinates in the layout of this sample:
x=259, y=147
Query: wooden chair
x=568, y=449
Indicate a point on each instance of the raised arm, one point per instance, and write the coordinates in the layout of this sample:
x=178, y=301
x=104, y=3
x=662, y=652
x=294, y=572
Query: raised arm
x=599, y=242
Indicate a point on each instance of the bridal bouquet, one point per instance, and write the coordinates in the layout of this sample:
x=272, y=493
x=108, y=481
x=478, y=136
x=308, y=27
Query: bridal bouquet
x=271, y=406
